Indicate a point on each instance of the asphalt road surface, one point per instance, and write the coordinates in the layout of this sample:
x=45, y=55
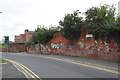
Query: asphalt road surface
x=51, y=68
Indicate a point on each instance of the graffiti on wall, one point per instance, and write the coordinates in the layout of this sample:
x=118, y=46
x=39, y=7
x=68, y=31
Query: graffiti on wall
x=57, y=45
x=81, y=44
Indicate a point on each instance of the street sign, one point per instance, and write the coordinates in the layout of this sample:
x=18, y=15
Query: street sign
x=6, y=40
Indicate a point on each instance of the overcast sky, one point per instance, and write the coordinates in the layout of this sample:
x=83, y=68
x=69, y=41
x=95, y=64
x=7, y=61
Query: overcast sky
x=19, y=15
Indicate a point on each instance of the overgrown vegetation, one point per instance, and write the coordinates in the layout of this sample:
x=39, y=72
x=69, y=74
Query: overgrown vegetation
x=3, y=46
x=42, y=35
x=71, y=25
x=100, y=21
x=4, y=61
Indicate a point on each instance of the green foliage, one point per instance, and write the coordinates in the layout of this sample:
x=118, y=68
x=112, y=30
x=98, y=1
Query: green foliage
x=118, y=24
x=32, y=41
x=4, y=61
x=71, y=25
x=3, y=46
x=100, y=21
x=115, y=31
x=42, y=35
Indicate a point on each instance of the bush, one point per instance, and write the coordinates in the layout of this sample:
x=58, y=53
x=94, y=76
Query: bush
x=71, y=25
x=42, y=35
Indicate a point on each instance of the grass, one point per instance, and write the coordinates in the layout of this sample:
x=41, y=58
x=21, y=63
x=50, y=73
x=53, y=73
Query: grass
x=4, y=61
x=3, y=46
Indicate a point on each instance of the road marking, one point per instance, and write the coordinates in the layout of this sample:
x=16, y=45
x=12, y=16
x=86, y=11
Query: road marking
x=111, y=68
x=75, y=62
x=31, y=71
x=20, y=70
x=80, y=63
x=25, y=69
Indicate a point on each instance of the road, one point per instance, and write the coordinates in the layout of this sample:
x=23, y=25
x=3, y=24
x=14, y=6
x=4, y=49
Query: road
x=55, y=68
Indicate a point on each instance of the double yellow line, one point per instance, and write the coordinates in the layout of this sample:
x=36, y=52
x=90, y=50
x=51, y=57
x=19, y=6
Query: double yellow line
x=26, y=69
x=82, y=64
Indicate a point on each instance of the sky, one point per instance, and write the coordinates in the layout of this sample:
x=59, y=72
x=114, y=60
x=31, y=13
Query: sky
x=18, y=15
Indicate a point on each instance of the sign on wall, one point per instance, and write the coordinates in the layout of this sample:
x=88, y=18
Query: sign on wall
x=89, y=35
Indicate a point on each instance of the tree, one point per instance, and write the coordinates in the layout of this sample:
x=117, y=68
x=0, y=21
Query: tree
x=42, y=35
x=115, y=31
x=100, y=20
x=33, y=40
x=71, y=25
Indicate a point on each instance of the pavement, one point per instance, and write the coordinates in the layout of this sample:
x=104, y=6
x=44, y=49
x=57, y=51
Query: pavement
x=0, y=71
x=10, y=71
x=66, y=67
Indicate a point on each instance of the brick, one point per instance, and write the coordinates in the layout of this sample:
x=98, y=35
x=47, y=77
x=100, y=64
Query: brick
x=82, y=47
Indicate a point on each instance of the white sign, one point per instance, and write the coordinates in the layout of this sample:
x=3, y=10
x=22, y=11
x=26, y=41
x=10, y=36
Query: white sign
x=89, y=35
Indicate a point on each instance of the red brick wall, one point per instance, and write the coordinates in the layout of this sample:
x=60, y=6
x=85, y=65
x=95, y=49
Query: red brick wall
x=58, y=38
x=82, y=47
x=17, y=47
x=3, y=49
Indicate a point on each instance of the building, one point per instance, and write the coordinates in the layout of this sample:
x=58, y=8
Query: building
x=28, y=34
x=20, y=39
x=23, y=38
x=17, y=38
